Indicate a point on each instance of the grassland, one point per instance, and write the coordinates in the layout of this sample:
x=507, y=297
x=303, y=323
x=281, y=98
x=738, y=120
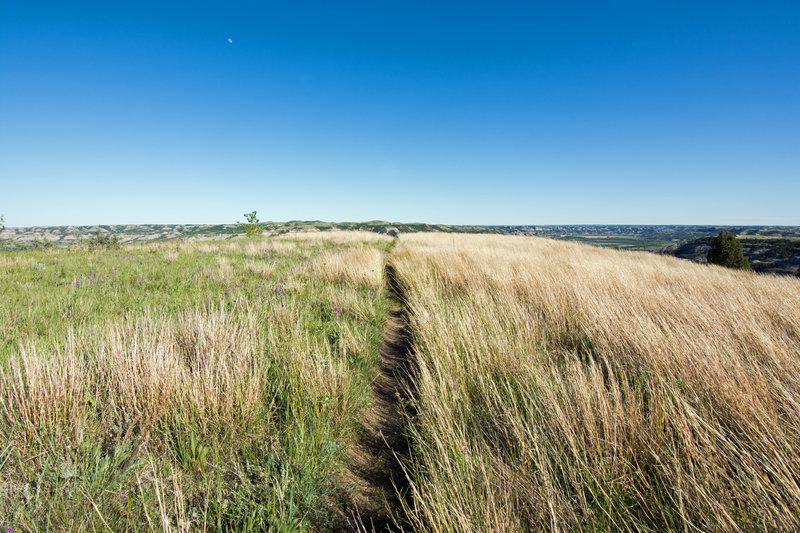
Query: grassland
x=770, y=249
x=186, y=386
x=562, y=387
x=550, y=386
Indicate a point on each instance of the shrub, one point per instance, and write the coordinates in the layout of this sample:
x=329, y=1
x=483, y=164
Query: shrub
x=252, y=228
x=40, y=244
x=102, y=240
x=726, y=250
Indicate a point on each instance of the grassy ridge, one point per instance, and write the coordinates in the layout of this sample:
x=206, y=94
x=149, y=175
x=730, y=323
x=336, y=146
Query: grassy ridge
x=209, y=386
x=217, y=386
x=567, y=387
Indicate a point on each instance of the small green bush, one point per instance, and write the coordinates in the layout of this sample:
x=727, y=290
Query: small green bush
x=39, y=244
x=102, y=240
x=726, y=250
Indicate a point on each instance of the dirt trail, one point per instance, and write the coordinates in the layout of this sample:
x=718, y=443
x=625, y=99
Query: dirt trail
x=375, y=472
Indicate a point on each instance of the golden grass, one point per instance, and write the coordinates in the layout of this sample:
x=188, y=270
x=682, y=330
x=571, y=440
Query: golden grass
x=360, y=266
x=253, y=248
x=565, y=387
x=339, y=236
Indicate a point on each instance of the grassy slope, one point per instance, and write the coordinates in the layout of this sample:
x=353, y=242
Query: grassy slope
x=208, y=386
x=564, y=387
x=216, y=386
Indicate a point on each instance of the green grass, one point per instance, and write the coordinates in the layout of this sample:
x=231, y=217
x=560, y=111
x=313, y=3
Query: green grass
x=211, y=386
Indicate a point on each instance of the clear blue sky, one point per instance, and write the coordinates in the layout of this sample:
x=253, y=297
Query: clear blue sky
x=461, y=112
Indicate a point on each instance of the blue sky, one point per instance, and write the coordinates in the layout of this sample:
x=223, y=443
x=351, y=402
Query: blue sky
x=444, y=112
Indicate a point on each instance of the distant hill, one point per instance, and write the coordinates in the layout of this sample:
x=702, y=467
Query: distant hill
x=769, y=249
x=129, y=233
x=68, y=235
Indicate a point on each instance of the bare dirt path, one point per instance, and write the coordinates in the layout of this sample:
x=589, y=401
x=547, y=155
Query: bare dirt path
x=375, y=472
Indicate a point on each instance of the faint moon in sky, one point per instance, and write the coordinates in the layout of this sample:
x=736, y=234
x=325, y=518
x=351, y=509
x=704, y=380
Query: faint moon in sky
x=230, y=40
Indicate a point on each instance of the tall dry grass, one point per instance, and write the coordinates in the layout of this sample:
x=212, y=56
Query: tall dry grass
x=361, y=266
x=204, y=365
x=564, y=387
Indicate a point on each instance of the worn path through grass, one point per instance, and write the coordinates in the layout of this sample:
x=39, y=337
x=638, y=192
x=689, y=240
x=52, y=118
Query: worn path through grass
x=375, y=469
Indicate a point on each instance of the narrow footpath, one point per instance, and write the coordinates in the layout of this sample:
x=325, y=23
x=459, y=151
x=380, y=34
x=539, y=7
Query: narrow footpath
x=375, y=472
